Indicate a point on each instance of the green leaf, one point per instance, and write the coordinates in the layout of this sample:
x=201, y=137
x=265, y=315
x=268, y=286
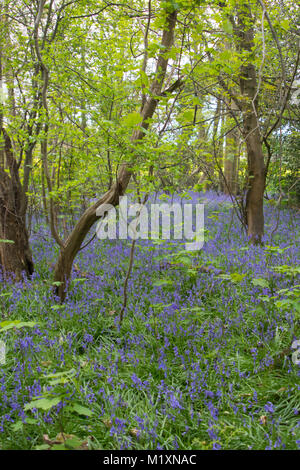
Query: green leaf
x=81, y=410
x=132, y=119
x=58, y=447
x=57, y=307
x=264, y=298
x=42, y=447
x=73, y=443
x=260, y=282
x=8, y=325
x=184, y=259
x=233, y=277
x=17, y=426
x=162, y=282
x=43, y=403
x=187, y=116
x=61, y=377
x=60, y=374
x=227, y=26
x=144, y=78
x=237, y=277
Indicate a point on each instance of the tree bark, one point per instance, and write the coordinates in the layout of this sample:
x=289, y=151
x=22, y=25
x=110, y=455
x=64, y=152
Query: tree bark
x=251, y=130
x=257, y=181
x=72, y=245
x=15, y=253
x=231, y=156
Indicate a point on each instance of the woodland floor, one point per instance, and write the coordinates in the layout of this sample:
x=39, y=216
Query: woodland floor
x=203, y=359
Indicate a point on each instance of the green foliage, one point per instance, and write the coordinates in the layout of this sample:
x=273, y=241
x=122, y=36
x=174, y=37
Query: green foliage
x=101, y=60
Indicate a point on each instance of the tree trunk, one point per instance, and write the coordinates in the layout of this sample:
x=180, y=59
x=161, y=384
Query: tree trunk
x=72, y=245
x=257, y=181
x=15, y=253
x=251, y=130
x=231, y=156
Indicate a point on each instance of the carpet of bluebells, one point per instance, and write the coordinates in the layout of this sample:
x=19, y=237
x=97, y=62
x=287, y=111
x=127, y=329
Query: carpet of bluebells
x=202, y=360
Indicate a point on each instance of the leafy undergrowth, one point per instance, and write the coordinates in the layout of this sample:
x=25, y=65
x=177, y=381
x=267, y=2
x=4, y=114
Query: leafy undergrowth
x=203, y=359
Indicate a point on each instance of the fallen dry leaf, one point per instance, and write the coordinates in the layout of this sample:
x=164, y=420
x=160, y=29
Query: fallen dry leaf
x=107, y=423
x=84, y=363
x=263, y=420
x=47, y=440
x=135, y=432
x=61, y=438
x=46, y=363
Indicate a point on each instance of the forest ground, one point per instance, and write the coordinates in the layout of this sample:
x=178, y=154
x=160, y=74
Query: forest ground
x=202, y=360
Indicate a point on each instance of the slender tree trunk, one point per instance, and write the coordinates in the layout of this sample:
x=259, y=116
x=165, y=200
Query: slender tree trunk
x=72, y=245
x=252, y=137
x=231, y=156
x=220, y=163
